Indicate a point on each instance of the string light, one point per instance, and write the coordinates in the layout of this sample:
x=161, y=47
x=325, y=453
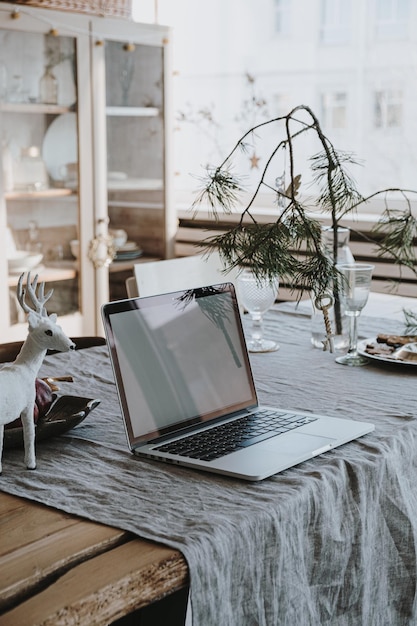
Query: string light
x=57, y=28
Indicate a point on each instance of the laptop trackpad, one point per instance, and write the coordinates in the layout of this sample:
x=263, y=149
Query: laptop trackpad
x=299, y=444
x=274, y=455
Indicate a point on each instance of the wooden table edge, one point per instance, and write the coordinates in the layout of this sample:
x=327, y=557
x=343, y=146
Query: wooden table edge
x=116, y=575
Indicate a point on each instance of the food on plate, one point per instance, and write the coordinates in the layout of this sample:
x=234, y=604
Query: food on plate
x=379, y=349
x=396, y=340
x=400, y=348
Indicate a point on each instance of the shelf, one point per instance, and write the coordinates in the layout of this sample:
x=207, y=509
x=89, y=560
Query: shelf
x=44, y=193
x=34, y=107
x=47, y=274
x=135, y=184
x=132, y=111
x=124, y=184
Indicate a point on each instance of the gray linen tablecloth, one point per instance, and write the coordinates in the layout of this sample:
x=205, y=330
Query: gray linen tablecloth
x=330, y=542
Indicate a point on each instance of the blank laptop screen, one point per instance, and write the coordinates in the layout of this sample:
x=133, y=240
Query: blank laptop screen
x=179, y=359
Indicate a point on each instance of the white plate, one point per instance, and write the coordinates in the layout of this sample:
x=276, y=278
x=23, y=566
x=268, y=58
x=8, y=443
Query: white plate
x=60, y=145
x=379, y=357
x=23, y=261
x=129, y=246
x=128, y=256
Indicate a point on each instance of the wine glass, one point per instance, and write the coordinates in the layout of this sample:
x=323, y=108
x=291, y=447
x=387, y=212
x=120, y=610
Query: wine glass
x=257, y=295
x=354, y=287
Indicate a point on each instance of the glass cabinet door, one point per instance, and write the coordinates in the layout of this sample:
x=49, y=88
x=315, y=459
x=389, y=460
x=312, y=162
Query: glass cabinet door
x=39, y=120
x=84, y=151
x=136, y=148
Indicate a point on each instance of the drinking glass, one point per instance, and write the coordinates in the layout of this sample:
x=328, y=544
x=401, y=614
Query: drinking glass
x=354, y=287
x=257, y=295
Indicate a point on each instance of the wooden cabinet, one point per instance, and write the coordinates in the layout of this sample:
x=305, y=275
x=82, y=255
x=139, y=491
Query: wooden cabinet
x=84, y=138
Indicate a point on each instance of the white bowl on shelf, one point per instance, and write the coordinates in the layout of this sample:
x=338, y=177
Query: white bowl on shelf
x=75, y=248
x=22, y=261
x=119, y=237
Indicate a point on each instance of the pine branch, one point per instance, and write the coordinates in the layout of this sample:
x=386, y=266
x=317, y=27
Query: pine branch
x=399, y=230
x=273, y=248
x=220, y=188
x=410, y=321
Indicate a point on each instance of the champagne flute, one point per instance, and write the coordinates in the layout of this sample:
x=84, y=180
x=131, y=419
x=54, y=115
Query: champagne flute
x=354, y=287
x=257, y=295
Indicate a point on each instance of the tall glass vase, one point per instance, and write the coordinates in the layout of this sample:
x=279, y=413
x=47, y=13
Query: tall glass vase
x=338, y=320
x=48, y=87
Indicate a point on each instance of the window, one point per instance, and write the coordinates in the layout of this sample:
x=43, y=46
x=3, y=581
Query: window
x=280, y=104
x=363, y=91
x=335, y=21
x=282, y=17
x=388, y=108
x=391, y=18
x=334, y=110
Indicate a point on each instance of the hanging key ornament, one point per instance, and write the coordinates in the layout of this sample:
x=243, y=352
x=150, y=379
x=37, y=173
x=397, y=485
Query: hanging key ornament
x=323, y=303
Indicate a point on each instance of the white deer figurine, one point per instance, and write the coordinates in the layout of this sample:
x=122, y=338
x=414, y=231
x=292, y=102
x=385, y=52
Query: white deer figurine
x=17, y=379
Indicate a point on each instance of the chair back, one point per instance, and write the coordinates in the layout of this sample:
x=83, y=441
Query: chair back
x=181, y=273
x=131, y=287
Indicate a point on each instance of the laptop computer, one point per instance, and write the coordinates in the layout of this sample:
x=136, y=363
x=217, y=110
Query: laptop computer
x=187, y=392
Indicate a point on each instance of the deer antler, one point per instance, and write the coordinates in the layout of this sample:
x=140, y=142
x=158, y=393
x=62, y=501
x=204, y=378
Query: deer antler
x=38, y=301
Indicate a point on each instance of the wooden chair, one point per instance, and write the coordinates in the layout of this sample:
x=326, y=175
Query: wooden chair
x=181, y=273
x=9, y=351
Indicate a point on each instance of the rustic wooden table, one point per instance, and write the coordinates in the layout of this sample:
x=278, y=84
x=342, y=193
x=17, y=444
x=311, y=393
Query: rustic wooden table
x=57, y=569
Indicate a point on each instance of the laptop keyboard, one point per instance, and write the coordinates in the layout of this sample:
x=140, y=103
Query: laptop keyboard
x=232, y=436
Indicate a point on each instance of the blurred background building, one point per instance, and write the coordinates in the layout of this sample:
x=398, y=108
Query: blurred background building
x=238, y=63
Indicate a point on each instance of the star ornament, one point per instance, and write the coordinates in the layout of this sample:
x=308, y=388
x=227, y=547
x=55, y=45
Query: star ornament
x=254, y=161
